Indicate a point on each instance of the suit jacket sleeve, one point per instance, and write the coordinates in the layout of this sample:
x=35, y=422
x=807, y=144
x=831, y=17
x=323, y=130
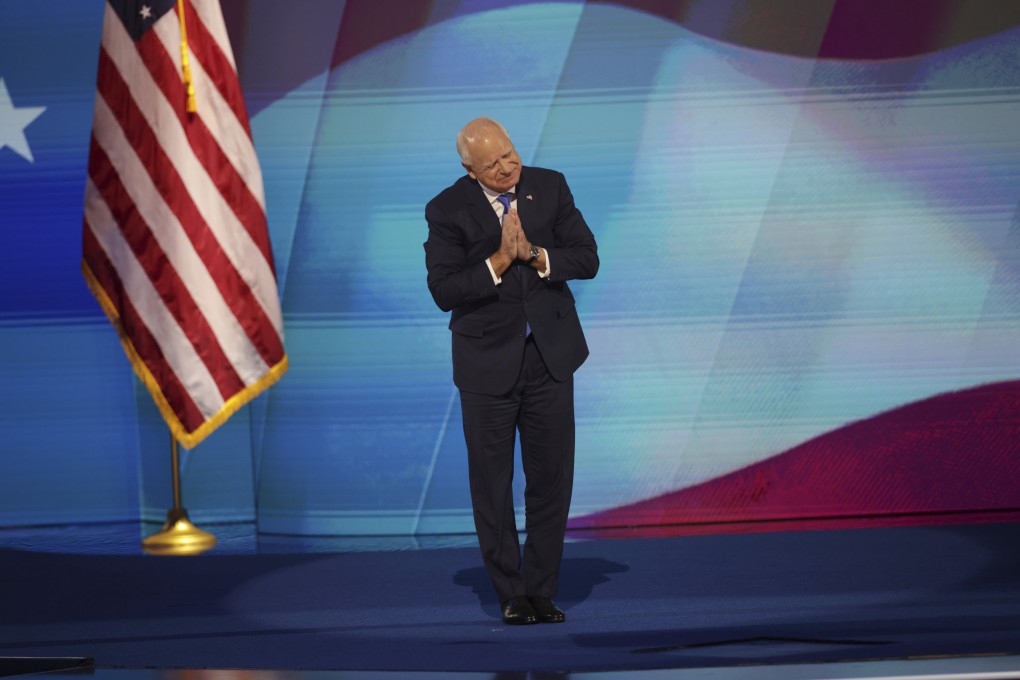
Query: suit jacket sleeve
x=573, y=254
x=457, y=273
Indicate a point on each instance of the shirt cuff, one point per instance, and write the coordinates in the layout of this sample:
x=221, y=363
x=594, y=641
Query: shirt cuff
x=495, y=279
x=548, y=266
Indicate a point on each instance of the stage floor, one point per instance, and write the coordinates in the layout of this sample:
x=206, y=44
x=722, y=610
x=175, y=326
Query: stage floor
x=961, y=668
x=893, y=602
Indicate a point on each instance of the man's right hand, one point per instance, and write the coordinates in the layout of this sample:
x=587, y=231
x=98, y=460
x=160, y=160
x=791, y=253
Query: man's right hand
x=507, y=253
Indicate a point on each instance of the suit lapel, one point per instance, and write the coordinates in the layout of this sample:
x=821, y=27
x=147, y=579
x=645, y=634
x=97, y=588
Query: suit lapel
x=478, y=205
x=526, y=206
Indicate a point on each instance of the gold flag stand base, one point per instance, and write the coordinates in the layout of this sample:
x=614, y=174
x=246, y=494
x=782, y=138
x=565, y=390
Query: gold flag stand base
x=178, y=536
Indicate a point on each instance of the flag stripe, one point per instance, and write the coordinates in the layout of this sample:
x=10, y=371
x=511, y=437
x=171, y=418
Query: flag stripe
x=176, y=246
x=260, y=328
x=222, y=106
x=220, y=70
x=143, y=344
x=246, y=257
x=158, y=178
x=223, y=146
x=219, y=121
x=212, y=21
x=178, y=354
x=171, y=289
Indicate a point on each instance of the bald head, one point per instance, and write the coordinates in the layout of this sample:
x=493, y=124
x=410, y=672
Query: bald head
x=488, y=155
x=480, y=129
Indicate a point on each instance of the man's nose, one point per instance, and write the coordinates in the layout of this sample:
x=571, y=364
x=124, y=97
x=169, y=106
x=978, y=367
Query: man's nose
x=505, y=166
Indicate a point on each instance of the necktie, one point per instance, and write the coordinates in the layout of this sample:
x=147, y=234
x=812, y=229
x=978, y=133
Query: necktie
x=504, y=199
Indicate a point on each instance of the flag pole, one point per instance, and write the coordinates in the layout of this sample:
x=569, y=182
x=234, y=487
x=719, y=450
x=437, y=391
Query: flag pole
x=178, y=535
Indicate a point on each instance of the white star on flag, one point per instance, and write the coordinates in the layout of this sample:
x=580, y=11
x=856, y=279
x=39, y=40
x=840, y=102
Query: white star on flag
x=13, y=122
x=146, y=12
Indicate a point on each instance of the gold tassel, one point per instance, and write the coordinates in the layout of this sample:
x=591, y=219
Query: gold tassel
x=192, y=106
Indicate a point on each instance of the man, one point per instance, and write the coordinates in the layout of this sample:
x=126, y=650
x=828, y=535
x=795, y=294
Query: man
x=502, y=243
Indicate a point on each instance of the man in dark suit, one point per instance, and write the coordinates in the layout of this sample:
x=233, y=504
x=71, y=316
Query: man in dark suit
x=503, y=241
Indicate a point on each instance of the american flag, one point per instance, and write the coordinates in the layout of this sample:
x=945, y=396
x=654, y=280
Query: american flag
x=176, y=247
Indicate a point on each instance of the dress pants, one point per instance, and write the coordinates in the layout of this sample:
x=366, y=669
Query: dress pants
x=542, y=410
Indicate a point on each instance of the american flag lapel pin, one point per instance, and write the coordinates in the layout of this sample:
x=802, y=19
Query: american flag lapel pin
x=529, y=197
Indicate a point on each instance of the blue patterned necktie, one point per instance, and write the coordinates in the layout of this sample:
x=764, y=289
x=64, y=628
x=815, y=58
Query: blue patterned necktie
x=505, y=200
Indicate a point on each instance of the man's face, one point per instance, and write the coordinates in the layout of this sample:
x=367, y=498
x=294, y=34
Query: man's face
x=494, y=161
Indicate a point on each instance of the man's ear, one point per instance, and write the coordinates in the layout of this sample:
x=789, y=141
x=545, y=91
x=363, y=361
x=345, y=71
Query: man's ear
x=469, y=172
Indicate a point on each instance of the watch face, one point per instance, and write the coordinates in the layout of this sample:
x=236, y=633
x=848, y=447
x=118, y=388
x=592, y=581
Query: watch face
x=535, y=252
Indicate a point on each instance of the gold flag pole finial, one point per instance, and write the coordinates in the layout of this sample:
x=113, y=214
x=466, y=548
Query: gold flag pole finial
x=189, y=84
x=178, y=535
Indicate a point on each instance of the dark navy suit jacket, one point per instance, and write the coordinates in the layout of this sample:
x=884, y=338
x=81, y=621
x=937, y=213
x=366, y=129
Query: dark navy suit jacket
x=488, y=321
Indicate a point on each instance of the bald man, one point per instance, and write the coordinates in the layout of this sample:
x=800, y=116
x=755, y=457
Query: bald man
x=503, y=241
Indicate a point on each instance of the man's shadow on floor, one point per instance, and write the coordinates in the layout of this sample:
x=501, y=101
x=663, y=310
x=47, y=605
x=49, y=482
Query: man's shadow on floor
x=578, y=578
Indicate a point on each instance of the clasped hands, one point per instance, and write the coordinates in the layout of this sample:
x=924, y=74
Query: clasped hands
x=514, y=245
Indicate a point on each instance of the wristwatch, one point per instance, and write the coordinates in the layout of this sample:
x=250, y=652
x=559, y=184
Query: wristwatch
x=535, y=252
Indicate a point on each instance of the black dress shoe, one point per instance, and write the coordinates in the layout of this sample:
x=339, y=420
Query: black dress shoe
x=517, y=611
x=546, y=610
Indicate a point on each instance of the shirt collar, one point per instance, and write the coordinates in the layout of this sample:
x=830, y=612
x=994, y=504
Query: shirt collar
x=493, y=195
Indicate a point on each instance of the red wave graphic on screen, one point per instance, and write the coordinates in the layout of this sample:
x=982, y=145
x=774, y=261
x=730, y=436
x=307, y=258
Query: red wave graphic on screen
x=835, y=29
x=832, y=29
x=953, y=453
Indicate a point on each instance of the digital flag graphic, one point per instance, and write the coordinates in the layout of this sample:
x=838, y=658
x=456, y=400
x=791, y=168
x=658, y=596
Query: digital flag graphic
x=175, y=246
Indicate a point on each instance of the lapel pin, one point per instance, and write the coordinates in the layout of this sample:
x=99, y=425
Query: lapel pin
x=529, y=197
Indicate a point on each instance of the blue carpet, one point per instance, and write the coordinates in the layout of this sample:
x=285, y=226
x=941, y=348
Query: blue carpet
x=631, y=604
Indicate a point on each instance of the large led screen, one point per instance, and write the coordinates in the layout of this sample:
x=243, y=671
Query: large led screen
x=807, y=216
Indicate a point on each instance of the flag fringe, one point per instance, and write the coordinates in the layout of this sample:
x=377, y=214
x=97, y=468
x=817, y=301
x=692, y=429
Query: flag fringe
x=187, y=439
